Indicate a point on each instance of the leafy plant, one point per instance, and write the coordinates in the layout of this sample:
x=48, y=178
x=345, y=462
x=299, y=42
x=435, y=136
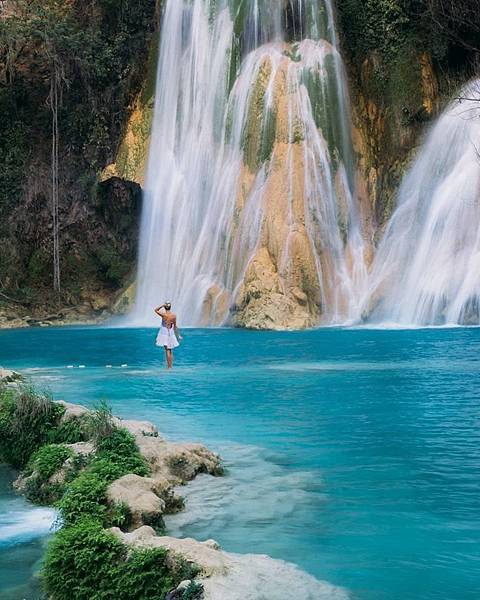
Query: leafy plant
x=88, y=563
x=69, y=432
x=49, y=459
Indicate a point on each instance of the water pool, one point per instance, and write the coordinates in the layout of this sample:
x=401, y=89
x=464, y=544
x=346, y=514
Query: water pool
x=354, y=454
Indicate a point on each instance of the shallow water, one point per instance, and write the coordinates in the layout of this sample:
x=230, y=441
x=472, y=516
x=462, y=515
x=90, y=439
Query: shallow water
x=354, y=454
x=23, y=529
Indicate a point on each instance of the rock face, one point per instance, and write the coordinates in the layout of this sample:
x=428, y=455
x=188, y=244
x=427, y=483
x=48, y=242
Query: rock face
x=171, y=464
x=385, y=135
x=234, y=576
x=307, y=236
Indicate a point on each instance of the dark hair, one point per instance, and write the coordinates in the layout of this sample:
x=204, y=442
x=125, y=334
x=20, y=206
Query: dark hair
x=168, y=306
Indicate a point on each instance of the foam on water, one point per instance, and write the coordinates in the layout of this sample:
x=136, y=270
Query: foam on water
x=254, y=479
x=263, y=578
x=26, y=524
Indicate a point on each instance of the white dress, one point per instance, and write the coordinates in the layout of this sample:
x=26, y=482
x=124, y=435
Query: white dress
x=166, y=337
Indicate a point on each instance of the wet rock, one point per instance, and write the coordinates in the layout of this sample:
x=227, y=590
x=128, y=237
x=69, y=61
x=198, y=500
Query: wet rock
x=177, y=462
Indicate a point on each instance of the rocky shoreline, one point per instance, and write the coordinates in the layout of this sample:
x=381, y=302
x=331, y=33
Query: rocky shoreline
x=146, y=499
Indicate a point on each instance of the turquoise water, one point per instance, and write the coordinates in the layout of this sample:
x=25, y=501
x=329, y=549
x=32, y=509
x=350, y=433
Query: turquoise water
x=353, y=453
x=23, y=530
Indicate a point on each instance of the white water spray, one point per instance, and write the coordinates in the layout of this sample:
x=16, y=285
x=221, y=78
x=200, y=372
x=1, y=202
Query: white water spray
x=427, y=268
x=217, y=134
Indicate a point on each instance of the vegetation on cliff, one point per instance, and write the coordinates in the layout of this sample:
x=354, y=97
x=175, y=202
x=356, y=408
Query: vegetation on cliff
x=405, y=60
x=396, y=32
x=79, y=63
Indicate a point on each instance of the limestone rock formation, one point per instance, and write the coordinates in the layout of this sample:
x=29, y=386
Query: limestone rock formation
x=141, y=495
x=234, y=576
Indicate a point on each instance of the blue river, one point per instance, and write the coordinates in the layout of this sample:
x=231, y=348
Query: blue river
x=353, y=453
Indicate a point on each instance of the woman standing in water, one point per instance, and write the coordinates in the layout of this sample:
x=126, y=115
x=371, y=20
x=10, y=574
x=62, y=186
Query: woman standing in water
x=168, y=334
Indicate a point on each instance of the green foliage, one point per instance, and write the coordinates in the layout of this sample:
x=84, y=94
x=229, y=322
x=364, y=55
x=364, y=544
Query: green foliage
x=41, y=492
x=99, y=423
x=88, y=563
x=393, y=33
x=120, y=449
x=116, y=455
x=194, y=591
x=99, y=49
x=69, y=432
x=49, y=459
x=26, y=421
x=44, y=463
x=85, y=497
x=83, y=560
x=114, y=267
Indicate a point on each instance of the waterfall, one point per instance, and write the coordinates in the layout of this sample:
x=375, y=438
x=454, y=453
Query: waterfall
x=249, y=201
x=426, y=271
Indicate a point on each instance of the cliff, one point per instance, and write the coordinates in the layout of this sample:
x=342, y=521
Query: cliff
x=404, y=60
x=83, y=65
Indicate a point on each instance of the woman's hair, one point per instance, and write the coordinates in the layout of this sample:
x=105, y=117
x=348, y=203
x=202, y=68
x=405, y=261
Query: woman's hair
x=168, y=305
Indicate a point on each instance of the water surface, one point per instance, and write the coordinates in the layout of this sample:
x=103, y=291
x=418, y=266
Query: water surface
x=352, y=453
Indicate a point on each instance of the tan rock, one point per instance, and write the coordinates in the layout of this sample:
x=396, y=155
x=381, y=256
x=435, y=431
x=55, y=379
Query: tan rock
x=178, y=463
x=137, y=428
x=72, y=411
x=210, y=560
x=8, y=376
x=231, y=576
x=140, y=495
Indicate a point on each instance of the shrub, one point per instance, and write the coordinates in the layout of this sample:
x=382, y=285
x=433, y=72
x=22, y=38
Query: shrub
x=85, y=497
x=44, y=463
x=43, y=493
x=121, y=452
x=27, y=419
x=194, y=591
x=116, y=455
x=49, y=459
x=69, y=432
x=86, y=562
x=99, y=423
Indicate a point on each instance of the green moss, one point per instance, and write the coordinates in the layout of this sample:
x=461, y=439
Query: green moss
x=261, y=122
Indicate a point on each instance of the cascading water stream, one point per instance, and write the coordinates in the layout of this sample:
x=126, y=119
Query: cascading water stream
x=426, y=271
x=249, y=191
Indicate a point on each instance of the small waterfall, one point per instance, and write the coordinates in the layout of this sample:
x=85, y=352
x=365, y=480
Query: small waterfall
x=249, y=196
x=427, y=268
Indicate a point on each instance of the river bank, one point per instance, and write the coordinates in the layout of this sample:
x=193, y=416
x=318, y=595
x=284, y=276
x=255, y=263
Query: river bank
x=136, y=502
